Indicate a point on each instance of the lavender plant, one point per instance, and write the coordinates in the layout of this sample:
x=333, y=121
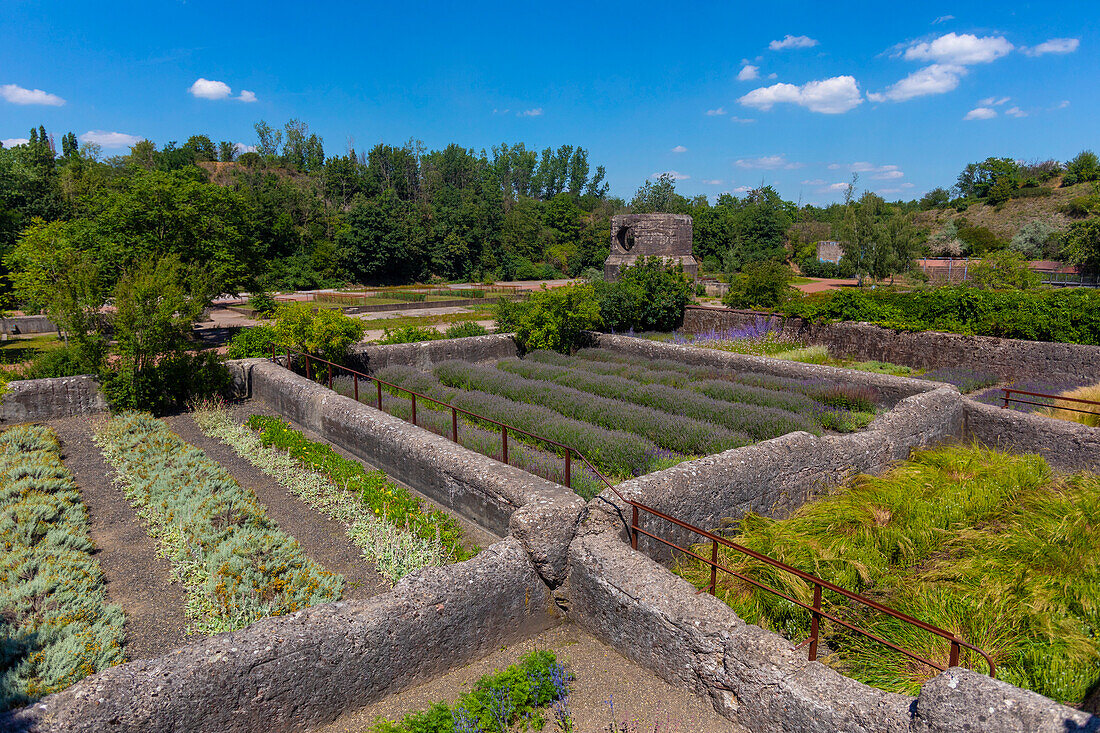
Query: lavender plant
x=234, y=563
x=56, y=626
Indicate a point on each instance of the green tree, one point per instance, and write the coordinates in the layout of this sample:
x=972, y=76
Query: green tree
x=202, y=147
x=1084, y=167
x=322, y=332
x=977, y=179
x=1083, y=244
x=227, y=151
x=269, y=140
x=1003, y=270
x=552, y=319
x=764, y=284
x=648, y=296
x=658, y=197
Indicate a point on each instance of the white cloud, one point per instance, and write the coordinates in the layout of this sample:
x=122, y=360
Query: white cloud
x=716, y=112
x=741, y=189
x=790, y=41
x=110, y=139
x=1015, y=112
x=878, y=172
x=18, y=95
x=993, y=101
x=742, y=120
x=943, y=19
x=908, y=185
x=837, y=186
x=679, y=149
x=247, y=96
x=768, y=162
x=11, y=142
x=713, y=181
x=240, y=148
x=829, y=96
x=674, y=175
x=960, y=49
x=501, y=111
x=748, y=73
x=934, y=79
x=981, y=113
x=536, y=112
x=1054, y=45
x=210, y=89
x=773, y=75
x=814, y=182
x=1062, y=105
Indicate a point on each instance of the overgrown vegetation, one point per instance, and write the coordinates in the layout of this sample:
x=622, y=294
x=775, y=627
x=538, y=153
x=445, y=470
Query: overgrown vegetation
x=394, y=550
x=1090, y=417
x=55, y=624
x=388, y=501
x=992, y=547
x=498, y=702
x=234, y=563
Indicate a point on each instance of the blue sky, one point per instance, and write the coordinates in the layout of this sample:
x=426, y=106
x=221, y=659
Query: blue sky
x=727, y=95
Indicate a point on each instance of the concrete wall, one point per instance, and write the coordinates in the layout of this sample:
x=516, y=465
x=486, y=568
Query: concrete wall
x=498, y=497
x=45, y=399
x=294, y=672
x=424, y=354
x=26, y=325
x=1007, y=358
x=1065, y=445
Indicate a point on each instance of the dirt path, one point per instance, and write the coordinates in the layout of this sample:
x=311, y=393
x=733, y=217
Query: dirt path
x=322, y=539
x=137, y=579
x=602, y=674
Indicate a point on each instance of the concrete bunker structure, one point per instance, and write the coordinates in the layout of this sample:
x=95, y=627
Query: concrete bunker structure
x=634, y=236
x=562, y=556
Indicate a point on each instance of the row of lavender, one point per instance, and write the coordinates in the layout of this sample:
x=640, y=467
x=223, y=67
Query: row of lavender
x=628, y=415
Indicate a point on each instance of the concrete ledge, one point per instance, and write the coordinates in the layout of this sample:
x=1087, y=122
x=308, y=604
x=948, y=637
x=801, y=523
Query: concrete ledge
x=291, y=673
x=1065, y=445
x=424, y=354
x=891, y=388
x=26, y=325
x=1007, y=358
x=484, y=490
x=45, y=399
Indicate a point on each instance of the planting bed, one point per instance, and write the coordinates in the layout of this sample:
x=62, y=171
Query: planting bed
x=991, y=546
x=629, y=415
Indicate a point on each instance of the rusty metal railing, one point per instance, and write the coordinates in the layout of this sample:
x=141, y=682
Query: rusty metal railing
x=817, y=613
x=1054, y=406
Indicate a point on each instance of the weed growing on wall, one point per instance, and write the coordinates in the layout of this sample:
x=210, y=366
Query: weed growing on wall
x=393, y=550
x=989, y=546
x=55, y=624
x=530, y=691
x=386, y=500
x=234, y=563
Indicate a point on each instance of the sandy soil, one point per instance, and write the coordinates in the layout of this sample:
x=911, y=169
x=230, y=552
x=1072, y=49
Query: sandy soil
x=602, y=676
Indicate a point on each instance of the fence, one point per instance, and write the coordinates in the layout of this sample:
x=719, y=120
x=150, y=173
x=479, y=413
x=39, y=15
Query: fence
x=817, y=613
x=1056, y=404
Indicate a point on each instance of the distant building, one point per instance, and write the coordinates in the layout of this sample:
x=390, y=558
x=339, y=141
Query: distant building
x=829, y=251
x=634, y=236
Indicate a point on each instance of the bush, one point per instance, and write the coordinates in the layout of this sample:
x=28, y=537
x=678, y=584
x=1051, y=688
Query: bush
x=325, y=333
x=552, y=319
x=464, y=329
x=1085, y=167
x=249, y=343
x=408, y=335
x=1069, y=315
x=760, y=285
x=1003, y=270
x=980, y=239
x=262, y=304
x=66, y=361
x=647, y=296
x=169, y=385
x=1036, y=239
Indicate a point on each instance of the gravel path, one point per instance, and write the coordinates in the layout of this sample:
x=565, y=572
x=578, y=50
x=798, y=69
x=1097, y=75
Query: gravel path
x=322, y=539
x=136, y=578
x=601, y=673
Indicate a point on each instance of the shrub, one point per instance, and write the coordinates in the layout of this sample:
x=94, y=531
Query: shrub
x=56, y=627
x=324, y=332
x=1083, y=244
x=465, y=329
x=66, y=361
x=262, y=304
x=409, y=335
x=1084, y=167
x=251, y=343
x=552, y=319
x=979, y=239
x=234, y=563
x=1003, y=270
x=647, y=296
x=1037, y=238
x=759, y=285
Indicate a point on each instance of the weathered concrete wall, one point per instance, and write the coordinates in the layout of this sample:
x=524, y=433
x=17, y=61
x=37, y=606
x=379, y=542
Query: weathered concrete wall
x=892, y=389
x=294, y=672
x=26, y=325
x=498, y=497
x=650, y=235
x=777, y=476
x=1007, y=358
x=755, y=677
x=45, y=399
x=1065, y=445
x=418, y=305
x=424, y=354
